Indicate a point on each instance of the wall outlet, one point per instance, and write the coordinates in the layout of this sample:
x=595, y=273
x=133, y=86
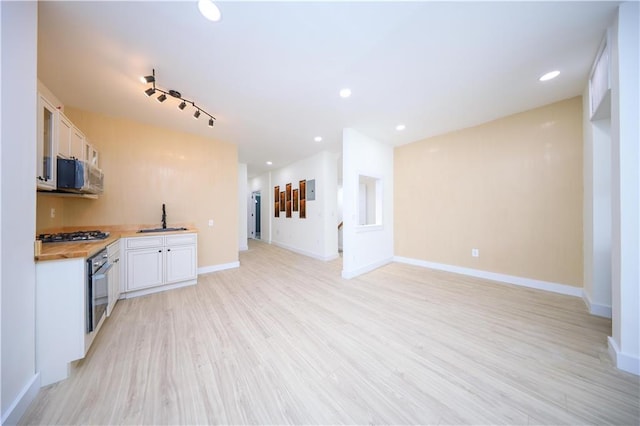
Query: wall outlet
x=475, y=252
x=210, y=222
x=53, y=212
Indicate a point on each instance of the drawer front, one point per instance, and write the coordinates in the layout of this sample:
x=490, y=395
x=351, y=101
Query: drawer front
x=143, y=242
x=113, y=248
x=181, y=239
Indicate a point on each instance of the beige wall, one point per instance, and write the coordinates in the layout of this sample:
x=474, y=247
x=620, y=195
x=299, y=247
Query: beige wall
x=147, y=166
x=511, y=188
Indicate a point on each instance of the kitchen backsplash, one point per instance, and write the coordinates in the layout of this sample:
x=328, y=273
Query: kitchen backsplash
x=46, y=207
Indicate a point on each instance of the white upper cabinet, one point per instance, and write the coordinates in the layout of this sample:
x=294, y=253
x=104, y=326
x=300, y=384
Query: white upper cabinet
x=65, y=129
x=58, y=137
x=90, y=154
x=47, y=147
x=77, y=144
x=71, y=141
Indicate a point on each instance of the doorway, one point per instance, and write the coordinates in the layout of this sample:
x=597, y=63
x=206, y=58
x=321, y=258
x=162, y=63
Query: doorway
x=254, y=218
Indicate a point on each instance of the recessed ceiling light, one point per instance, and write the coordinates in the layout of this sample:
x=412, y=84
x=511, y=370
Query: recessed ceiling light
x=400, y=127
x=550, y=75
x=269, y=163
x=345, y=93
x=318, y=139
x=209, y=10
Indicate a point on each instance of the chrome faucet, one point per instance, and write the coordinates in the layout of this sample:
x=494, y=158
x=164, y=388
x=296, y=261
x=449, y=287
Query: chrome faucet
x=164, y=217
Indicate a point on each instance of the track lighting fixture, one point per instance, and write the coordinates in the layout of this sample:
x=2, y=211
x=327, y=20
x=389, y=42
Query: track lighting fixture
x=151, y=79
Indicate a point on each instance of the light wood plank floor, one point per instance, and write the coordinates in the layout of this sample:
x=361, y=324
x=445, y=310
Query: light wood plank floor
x=284, y=340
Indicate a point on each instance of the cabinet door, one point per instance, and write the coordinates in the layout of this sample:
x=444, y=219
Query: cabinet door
x=114, y=279
x=65, y=129
x=88, y=152
x=180, y=263
x=144, y=268
x=77, y=144
x=94, y=156
x=46, y=148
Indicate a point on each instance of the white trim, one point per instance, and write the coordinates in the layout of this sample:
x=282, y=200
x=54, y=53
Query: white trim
x=216, y=268
x=244, y=247
x=595, y=308
x=364, y=269
x=306, y=253
x=510, y=279
x=158, y=289
x=621, y=360
x=369, y=228
x=17, y=409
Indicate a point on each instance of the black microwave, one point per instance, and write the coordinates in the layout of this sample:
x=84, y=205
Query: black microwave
x=78, y=176
x=70, y=174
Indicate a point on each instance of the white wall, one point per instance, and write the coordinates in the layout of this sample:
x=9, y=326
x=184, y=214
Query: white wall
x=597, y=211
x=20, y=382
x=317, y=235
x=369, y=247
x=624, y=343
x=242, y=206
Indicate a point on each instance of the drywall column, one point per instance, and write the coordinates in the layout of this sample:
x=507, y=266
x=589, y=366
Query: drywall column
x=597, y=212
x=328, y=192
x=19, y=30
x=243, y=190
x=365, y=247
x=624, y=344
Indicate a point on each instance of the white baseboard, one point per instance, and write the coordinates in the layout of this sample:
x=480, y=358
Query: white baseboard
x=510, y=279
x=364, y=269
x=216, y=268
x=595, y=308
x=151, y=290
x=19, y=406
x=305, y=252
x=623, y=361
x=244, y=247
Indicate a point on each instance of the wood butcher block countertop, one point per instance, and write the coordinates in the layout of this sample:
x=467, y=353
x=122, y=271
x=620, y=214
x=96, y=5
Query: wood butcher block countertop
x=85, y=249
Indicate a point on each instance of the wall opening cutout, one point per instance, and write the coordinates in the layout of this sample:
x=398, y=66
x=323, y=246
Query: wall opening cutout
x=369, y=201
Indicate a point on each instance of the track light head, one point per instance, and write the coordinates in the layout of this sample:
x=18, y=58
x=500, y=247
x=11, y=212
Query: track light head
x=150, y=91
x=182, y=105
x=162, y=98
x=148, y=79
x=196, y=114
x=211, y=122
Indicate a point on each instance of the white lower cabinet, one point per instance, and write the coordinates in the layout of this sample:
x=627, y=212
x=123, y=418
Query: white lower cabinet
x=144, y=268
x=113, y=251
x=159, y=262
x=60, y=317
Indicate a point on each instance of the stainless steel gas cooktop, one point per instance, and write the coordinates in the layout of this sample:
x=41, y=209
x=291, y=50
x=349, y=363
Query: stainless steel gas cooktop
x=73, y=236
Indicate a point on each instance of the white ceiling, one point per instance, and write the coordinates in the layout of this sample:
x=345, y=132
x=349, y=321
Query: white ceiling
x=270, y=72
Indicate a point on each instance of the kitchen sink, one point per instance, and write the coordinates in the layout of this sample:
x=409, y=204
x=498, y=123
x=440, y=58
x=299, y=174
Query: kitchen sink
x=162, y=229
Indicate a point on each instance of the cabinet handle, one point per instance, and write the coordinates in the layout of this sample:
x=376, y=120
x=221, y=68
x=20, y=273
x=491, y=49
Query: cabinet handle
x=168, y=249
x=159, y=251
